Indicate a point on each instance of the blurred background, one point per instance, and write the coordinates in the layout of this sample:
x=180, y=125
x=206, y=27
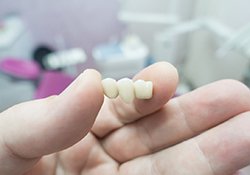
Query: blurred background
x=45, y=44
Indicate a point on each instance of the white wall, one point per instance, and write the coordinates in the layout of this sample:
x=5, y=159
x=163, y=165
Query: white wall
x=234, y=13
x=202, y=64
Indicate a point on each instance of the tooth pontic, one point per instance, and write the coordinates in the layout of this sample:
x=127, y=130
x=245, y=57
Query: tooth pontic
x=110, y=88
x=126, y=90
x=143, y=89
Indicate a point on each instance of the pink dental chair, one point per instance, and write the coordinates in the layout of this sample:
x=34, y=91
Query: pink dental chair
x=49, y=82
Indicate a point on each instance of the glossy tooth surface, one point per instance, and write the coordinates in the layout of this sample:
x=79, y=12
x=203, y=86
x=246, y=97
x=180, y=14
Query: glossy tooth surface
x=110, y=87
x=143, y=89
x=126, y=90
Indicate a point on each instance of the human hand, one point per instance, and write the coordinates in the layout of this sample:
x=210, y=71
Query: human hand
x=203, y=132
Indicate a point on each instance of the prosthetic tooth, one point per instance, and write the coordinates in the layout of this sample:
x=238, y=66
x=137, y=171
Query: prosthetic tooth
x=126, y=90
x=110, y=88
x=143, y=89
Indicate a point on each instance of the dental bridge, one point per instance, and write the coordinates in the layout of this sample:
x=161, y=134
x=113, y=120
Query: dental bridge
x=127, y=89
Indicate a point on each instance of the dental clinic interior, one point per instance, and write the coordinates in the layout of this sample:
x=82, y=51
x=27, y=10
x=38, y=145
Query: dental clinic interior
x=45, y=45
